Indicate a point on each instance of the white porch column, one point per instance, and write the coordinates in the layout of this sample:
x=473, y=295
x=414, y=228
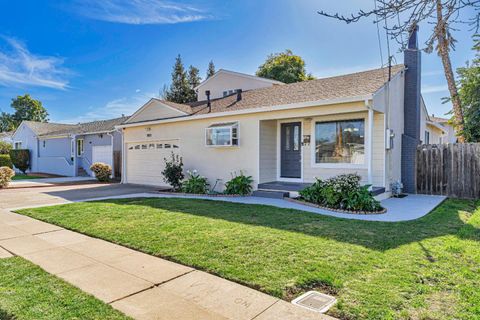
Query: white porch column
x=370, y=144
x=124, y=153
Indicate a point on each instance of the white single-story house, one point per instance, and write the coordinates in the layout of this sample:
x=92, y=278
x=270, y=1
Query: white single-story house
x=69, y=149
x=286, y=135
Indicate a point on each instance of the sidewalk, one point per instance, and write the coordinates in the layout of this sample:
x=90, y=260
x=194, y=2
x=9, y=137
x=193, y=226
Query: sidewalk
x=140, y=285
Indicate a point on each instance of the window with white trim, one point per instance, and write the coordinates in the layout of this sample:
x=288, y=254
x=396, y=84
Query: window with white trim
x=427, y=137
x=340, y=142
x=79, y=147
x=229, y=92
x=222, y=135
x=18, y=145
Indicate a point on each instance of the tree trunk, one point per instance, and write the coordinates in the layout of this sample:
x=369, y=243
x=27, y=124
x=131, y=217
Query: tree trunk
x=443, y=52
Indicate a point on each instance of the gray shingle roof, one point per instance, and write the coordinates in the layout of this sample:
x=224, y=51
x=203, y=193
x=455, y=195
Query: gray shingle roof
x=52, y=129
x=344, y=86
x=41, y=128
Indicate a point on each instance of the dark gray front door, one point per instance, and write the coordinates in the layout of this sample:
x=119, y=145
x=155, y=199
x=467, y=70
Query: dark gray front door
x=290, y=150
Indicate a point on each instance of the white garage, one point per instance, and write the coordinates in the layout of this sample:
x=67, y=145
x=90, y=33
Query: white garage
x=145, y=161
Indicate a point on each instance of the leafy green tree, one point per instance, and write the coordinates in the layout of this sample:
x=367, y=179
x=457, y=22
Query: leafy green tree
x=179, y=88
x=285, y=67
x=469, y=92
x=194, y=80
x=26, y=108
x=210, y=69
x=6, y=122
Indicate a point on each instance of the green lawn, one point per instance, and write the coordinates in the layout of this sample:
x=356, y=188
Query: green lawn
x=20, y=176
x=423, y=269
x=28, y=292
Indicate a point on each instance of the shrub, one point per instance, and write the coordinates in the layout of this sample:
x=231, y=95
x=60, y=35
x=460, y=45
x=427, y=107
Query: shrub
x=173, y=172
x=195, y=183
x=341, y=192
x=239, y=184
x=20, y=159
x=102, y=171
x=5, y=147
x=5, y=161
x=6, y=175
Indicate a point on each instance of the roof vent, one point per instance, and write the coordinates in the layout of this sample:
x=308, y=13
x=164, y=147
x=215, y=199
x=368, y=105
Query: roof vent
x=239, y=94
x=315, y=301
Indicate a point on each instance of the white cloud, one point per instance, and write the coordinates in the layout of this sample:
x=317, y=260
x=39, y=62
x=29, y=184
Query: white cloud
x=426, y=89
x=112, y=109
x=140, y=11
x=19, y=67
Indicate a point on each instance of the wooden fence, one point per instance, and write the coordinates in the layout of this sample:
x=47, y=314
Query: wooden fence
x=449, y=169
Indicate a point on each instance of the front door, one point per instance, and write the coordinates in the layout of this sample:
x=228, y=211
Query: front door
x=290, y=150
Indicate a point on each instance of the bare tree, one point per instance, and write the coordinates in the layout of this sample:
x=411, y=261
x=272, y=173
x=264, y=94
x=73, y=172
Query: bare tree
x=400, y=16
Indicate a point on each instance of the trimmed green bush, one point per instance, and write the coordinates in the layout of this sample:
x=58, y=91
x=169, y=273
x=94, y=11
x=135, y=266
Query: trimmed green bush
x=341, y=192
x=102, y=171
x=5, y=147
x=239, y=184
x=195, y=183
x=5, y=161
x=20, y=159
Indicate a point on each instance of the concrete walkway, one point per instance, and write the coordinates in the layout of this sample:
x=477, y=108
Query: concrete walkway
x=412, y=207
x=49, y=181
x=140, y=285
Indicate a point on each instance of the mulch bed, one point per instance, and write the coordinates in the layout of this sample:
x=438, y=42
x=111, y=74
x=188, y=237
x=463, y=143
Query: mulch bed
x=298, y=201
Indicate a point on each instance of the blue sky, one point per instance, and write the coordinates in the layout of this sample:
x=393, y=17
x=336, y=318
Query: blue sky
x=90, y=60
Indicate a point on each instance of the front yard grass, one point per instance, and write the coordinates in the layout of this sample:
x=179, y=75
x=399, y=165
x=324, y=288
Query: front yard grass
x=20, y=176
x=27, y=292
x=423, y=269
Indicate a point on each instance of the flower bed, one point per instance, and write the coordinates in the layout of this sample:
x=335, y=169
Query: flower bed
x=309, y=204
x=343, y=193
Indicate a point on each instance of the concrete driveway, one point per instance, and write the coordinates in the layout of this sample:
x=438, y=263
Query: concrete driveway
x=29, y=197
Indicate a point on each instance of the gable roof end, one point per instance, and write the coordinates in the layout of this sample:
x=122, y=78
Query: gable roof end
x=244, y=75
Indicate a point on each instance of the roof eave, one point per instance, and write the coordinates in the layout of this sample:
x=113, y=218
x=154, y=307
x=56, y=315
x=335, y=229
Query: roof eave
x=299, y=105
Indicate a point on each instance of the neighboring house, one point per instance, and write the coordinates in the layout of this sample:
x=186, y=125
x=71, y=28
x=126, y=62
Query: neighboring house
x=286, y=135
x=450, y=134
x=6, y=137
x=225, y=82
x=67, y=149
x=431, y=132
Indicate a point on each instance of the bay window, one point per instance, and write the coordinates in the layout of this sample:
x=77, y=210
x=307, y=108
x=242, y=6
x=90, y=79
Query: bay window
x=222, y=135
x=340, y=142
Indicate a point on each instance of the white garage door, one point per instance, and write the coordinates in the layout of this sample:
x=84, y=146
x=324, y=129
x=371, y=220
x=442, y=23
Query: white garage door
x=102, y=154
x=145, y=161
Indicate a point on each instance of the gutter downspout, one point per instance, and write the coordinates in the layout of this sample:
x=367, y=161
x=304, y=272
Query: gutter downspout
x=74, y=139
x=370, y=142
x=111, y=143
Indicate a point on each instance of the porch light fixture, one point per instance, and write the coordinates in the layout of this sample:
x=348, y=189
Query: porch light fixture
x=306, y=140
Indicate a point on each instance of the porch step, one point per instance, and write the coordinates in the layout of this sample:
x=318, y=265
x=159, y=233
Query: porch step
x=377, y=191
x=271, y=194
x=81, y=172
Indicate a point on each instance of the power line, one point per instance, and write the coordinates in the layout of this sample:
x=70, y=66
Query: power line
x=378, y=34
